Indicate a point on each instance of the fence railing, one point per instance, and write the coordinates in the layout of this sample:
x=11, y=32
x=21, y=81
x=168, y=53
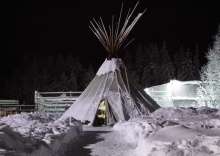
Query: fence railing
x=54, y=101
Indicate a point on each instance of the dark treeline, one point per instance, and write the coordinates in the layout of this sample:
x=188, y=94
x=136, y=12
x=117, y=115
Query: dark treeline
x=152, y=64
x=149, y=64
x=46, y=74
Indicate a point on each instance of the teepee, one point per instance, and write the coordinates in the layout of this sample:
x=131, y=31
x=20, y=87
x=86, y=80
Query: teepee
x=123, y=97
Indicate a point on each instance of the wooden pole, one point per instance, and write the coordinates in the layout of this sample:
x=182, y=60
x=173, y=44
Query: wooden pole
x=113, y=40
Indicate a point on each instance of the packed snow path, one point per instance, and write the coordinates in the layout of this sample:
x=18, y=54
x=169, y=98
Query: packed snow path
x=100, y=141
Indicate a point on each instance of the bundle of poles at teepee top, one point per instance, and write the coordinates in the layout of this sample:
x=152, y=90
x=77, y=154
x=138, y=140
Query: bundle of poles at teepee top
x=113, y=40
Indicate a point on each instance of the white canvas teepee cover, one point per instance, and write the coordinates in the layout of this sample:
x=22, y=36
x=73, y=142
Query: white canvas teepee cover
x=126, y=98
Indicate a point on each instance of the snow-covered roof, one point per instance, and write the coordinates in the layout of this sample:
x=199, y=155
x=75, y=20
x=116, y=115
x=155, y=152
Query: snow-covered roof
x=110, y=66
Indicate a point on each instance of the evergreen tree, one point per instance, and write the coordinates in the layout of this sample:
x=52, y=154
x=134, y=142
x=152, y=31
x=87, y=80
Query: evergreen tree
x=155, y=65
x=130, y=64
x=185, y=71
x=64, y=83
x=155, y=54
x=175, y=64
x=75, y=73
x=178, y=59
x=88, y=77
x=139, y=64
x=72, y=73
x=210, y=89
x=166, y=65
x=189, y=65
x=59, y=72
x=196, y=66
x=46, y=73
x=147, y=77
x=128, y=60
x=147, y=73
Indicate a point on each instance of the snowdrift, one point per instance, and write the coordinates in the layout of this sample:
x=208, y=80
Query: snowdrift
x=37, y=134
x=174, y=131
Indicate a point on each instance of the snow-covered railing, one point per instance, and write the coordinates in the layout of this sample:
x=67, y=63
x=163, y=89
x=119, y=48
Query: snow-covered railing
x=9, y=102
x=54, y=101
x=175, y=93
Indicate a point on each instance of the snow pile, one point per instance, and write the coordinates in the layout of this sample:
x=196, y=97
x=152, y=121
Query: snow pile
x=173, y=113
x=110, y=66
x=174, y=131
x=201, y=145
x=206, y=110
x=130, y=134
x=36, y=134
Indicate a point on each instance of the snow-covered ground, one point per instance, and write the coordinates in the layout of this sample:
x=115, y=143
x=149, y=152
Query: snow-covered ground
x=37, y=134
x=168, y=131
x=174, y=132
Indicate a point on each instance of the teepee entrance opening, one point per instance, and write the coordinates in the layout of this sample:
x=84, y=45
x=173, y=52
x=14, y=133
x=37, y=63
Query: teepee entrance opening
x=105, y=115
x=100, y=118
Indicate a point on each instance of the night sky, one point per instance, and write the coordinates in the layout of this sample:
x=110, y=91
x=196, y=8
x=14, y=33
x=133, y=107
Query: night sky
x=62, y=27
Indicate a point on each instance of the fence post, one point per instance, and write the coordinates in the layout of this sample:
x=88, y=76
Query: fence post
x=70, y=96
x=36, y=100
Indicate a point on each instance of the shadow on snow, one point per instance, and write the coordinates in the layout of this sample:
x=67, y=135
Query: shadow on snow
x=79, y=148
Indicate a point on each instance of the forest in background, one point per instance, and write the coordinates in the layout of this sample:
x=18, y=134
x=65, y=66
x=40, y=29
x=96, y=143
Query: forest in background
x=149, y=64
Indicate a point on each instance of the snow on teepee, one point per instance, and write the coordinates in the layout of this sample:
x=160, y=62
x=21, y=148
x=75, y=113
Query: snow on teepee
x=112, y=86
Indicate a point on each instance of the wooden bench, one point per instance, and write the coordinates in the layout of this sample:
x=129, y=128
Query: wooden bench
x=8, y=111
x=8, y=107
